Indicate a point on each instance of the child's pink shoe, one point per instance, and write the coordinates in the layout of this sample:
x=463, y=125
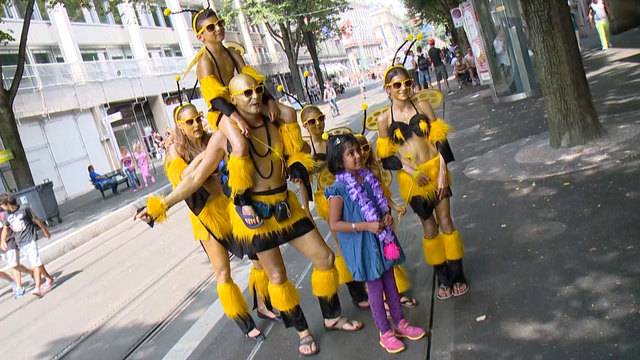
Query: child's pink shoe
x=404, y=330
x=391, y=343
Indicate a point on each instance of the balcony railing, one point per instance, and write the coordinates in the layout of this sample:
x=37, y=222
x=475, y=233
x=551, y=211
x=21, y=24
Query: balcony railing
x=41, y=76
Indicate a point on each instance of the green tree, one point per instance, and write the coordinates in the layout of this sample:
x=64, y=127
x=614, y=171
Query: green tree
x=438, y=12
x=298, y=23
x=571, y=116
x=8, y=126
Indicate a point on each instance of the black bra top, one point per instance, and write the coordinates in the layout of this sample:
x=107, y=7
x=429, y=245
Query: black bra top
x=215, y=63
x=418, y=125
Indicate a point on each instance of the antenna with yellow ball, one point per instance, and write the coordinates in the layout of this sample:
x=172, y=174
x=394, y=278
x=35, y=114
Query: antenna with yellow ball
x=280, y=89
x=365, y=106
x=418, y=38
x=179, y=90
x=306, y=85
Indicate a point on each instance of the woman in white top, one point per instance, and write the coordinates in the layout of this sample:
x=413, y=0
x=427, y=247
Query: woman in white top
x=599, y=17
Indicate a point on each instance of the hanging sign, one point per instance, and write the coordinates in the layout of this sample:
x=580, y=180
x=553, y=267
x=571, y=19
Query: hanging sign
x=458, y=20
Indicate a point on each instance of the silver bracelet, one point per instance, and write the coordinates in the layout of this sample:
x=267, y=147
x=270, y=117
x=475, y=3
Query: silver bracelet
x=353, y=227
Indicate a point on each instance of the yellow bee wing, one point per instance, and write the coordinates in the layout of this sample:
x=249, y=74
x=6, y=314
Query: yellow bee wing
x=326, y=178
x=235, y=46
x=434, y=97
x=387, y=177
x=372, y=120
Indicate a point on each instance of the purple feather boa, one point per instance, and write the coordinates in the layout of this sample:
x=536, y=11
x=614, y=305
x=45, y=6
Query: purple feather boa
x=372, y=212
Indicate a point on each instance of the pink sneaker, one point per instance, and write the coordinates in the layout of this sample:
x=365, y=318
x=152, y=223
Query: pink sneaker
x=404, y=330
x=391, y=343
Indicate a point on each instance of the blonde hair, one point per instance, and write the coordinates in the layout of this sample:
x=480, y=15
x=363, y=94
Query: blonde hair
x=187, y=148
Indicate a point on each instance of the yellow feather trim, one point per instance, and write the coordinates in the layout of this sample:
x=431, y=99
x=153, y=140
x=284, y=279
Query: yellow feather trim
x=259, y=283
x=291, y=138
x=240, y=174
x=193, y=61
x=433, y=250
x=157, y=208
x=408, y=186
x=344, y=275
x=453, y=246
x=234, y=304
x=324, y=283
x=439, y=131
x=270, y=227
x=214, y=216
x=397, y=134
x=385, y=148
x=174, y=168
x=424, y=127
x=402, y=279
x=254, y=73
x=212, y=88
x=284, y=297
x=303, y=158
x=200, y=233
x=322, y=204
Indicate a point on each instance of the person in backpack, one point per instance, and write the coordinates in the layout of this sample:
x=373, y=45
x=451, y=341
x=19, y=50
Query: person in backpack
x=424, y=76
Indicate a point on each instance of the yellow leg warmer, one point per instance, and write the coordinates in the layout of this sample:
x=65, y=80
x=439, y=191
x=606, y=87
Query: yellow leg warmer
x=324, y=283
x=453, y=247
x=258, y=283
x=240, y=174
x=402, y=279
x=233, y=303
x=284, y=297
x=344, y=275
x=433, y=250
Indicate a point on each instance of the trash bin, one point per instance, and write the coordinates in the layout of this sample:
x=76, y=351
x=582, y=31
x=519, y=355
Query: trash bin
x=41, y=200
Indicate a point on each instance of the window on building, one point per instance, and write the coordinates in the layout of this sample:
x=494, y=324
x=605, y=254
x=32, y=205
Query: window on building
x=74, y=11
x=41, y=57
x=168, y=53
x=9, y=59
x=8, y=11
x=21, y=8
x=167, y=19
x=41, y=8
x=157, y=18
x=90, y=56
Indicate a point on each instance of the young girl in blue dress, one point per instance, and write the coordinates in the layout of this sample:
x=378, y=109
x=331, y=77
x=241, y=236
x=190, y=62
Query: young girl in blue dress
x=359, y=213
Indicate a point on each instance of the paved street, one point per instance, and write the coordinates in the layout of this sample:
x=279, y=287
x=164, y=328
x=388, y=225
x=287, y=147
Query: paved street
x=551, y=240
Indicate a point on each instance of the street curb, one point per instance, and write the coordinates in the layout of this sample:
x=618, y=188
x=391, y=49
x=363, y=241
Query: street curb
x=83, y=235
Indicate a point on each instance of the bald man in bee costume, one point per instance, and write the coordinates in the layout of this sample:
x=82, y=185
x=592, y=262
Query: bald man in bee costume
x=276, y=153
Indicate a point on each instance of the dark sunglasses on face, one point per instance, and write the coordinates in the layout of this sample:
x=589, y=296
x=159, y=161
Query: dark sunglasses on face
x=313, y=121
x=398, y=84
x=212, y=27
x=248, y=93
x=191, y=121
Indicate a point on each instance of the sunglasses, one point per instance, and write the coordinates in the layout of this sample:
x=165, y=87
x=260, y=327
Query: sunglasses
x=192, y=120
x=313, y=121
x=211, y=27
x=398, y=84
x=248, y=93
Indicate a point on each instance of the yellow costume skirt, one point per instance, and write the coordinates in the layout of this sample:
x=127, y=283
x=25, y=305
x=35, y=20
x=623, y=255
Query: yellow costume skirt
x=423, y=199
x=271, y=233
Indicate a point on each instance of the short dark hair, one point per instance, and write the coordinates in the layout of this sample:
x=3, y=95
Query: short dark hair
x=335, y=151
x=90, y=168
x=419, y=48
x=206, y=14
x=8, y=199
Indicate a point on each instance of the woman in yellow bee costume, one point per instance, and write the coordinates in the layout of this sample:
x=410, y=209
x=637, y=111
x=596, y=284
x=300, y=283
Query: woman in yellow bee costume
x=412, y=140
x=215, y=65
x=209, y=219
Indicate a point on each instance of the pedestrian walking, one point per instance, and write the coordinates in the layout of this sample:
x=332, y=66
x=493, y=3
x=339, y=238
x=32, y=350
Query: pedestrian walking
x=471, y=61
x=158, y=142
x=129, y=167
x=143, y=160
x=330, y=96
x=24, y=226
x=412, y=66
x=424, y=76
x=599, y=18
x=439, y=68
x=360, y=215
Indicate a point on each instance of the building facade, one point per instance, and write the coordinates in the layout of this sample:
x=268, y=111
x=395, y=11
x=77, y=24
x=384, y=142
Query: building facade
x=96, y=81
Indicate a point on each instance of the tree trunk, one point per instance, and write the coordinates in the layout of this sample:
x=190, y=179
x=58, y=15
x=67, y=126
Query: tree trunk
x=292, y=59
x=11, y=140
x=310, y=42
x=571, y=115
x=8, y=126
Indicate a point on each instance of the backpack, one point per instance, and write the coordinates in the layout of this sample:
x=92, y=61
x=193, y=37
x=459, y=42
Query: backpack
x=423, y=63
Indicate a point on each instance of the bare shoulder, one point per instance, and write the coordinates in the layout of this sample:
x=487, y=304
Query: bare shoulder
x=204, y=66
x=237, y=57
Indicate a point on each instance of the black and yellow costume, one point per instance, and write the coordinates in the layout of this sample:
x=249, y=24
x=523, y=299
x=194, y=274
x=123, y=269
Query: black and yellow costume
x=445, y=249
x=283, y=220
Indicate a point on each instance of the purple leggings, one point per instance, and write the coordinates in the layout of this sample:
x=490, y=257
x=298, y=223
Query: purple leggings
x=386, y=284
